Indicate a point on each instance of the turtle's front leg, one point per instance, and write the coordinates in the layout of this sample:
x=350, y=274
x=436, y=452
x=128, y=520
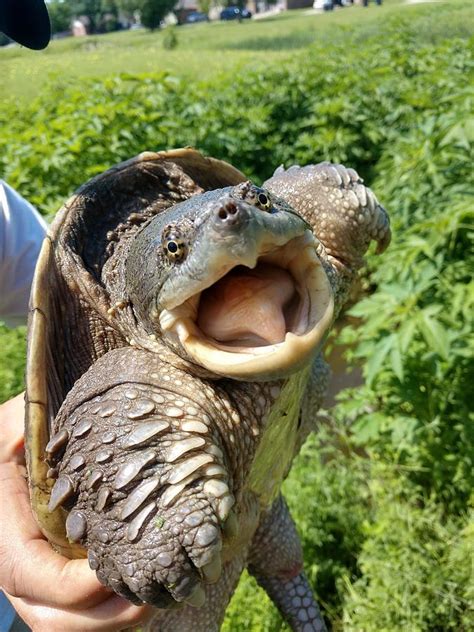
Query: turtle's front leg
x=344, y=214
x=276, y=561
x=141, y=470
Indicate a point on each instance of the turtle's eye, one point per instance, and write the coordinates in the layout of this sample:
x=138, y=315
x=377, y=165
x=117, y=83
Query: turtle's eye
x=263, y=201
x=173, y=244
x=255, y=195
x=259, y=198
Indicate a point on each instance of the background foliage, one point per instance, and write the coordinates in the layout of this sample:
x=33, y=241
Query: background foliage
x=103, y=15
x=382, y=493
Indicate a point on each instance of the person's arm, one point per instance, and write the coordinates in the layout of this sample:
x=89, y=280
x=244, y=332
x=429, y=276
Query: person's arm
x=22, y=230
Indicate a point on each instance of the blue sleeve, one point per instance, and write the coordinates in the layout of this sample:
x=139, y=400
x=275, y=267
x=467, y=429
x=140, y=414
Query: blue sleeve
x=22, y=231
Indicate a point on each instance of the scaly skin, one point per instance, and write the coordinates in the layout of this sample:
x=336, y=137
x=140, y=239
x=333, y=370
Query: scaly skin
x=177, y=543
x=172, y=472
x=276, y=561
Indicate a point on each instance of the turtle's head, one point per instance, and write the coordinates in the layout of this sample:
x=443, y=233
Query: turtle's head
x=231, y=280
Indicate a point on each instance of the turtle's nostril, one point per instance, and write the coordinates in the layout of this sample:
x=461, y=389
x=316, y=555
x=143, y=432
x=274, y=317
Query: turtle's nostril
x=228, y=214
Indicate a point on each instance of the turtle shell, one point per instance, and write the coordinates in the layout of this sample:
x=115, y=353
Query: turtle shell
x=69, y=322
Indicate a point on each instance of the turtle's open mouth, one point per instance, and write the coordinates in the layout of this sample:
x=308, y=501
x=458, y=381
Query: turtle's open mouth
x=259, y=322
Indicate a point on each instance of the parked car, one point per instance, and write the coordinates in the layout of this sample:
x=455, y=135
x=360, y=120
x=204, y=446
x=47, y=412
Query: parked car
x=323, y=5
x=196, y=16
x=328, y=5
x=235, y=13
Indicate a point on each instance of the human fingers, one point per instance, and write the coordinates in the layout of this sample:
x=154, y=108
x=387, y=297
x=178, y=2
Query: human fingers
x=12, y=422
x=111, y=615
x=29, y=568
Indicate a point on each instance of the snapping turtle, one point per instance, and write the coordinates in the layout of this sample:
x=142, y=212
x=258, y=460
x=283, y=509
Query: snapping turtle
x=174, y=369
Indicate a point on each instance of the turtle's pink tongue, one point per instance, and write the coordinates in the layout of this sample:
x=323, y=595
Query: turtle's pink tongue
x=246, y=306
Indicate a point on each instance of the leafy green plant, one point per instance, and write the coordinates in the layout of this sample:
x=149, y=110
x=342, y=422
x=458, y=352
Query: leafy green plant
x=170, y=38
x=416, y=572
x=12, y=361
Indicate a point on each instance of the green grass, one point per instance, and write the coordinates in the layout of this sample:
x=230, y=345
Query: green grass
x=204, y=51
x=12, y=361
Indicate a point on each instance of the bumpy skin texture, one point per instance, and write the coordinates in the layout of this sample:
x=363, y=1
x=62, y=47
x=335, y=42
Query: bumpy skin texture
x=276, y=561
x=171, y=475
x=344, y=214
x=341, y=210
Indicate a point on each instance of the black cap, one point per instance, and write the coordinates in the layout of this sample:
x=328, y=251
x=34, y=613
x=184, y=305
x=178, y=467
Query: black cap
x=26, y=22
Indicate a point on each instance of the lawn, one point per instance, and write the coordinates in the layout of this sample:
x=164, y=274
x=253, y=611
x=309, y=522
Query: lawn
x=204, y=51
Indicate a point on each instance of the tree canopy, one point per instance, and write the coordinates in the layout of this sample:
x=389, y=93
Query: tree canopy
x=104, y=15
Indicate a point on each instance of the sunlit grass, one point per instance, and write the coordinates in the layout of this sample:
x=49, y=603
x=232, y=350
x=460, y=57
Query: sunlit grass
x=204, y=50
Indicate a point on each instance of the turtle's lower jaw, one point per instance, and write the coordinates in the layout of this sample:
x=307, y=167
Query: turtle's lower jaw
x=261, y=322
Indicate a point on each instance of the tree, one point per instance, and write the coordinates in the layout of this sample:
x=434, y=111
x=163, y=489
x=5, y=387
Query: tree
x=205, y=6
x=92, y=9
x=129, y=6
x=153, y=11
x=60, y=14
x=231, y=3
x=102, y=14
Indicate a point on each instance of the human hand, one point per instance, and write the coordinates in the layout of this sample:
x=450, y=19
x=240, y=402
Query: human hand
x=50, y=592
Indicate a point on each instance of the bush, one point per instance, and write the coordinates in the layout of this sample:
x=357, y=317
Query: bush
x=416, y=572
x=170, y=38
